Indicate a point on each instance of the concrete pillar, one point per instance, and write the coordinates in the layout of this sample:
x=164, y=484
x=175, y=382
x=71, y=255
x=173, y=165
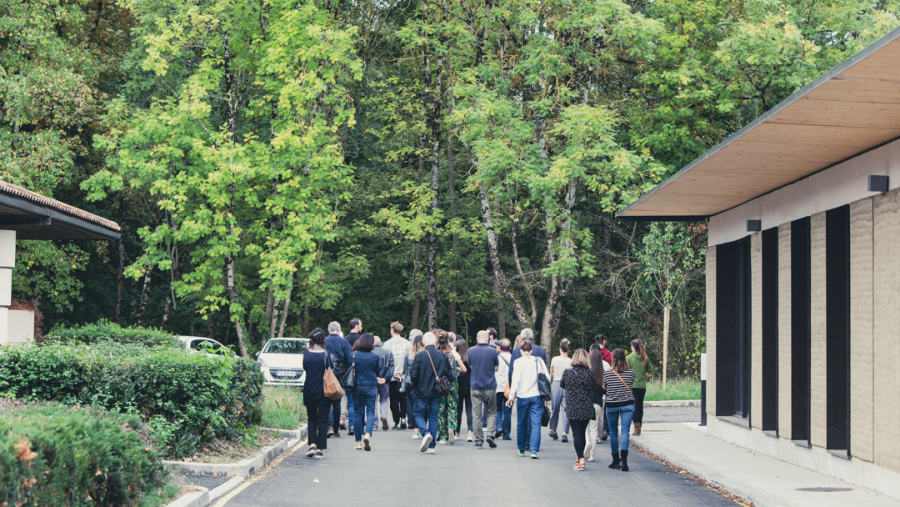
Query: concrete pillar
x=7, y=263
x=711, y=330
x=886, y=234
x=784, y=331
x=756, y=339
x=862, y=403
x=818, y=398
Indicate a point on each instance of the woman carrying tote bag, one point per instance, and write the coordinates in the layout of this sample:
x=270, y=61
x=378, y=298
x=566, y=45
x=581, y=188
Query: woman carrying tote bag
x=317, y=366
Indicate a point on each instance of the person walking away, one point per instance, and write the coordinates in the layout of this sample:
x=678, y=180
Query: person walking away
x=365, y=391
x=416, y=346
x=619, y=405
x=558, y=365
x=598, y=366
x=484, y=363
x=315, y=362
x=428, y=365
x=465, y=389
x=338, y=350
x=536, y=351
x=347, y=403
x=399, y=347
x=601, y=341
x=637, y=360
x=605, y=423
x=504, y=413
x=450, y=403
x=386, y=372
x=578, y=382
x=530, y=407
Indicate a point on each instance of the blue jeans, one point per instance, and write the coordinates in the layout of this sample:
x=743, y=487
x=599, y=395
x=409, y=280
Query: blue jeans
x=612, y=414
x=504, y=417
x=336, y=409
x=411, y=411
x=530, y=411
x=427, y=411
x=364, y=399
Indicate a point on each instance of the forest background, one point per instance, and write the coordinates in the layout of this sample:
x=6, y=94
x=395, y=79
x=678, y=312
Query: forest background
x=276, y=165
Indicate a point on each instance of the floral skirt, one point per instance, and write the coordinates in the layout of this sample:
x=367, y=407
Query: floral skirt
x=447, y=415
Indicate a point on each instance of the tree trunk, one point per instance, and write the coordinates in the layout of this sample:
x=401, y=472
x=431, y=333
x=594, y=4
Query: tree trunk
x=120, y=279
x=515, y=252
x=211, y=328
x=305, y=319
x=414, y=319
x=451, y=195
x=165, y=317
x=665, y=345
x=501, y=314
x=145, y=292
x=433, y=104
x=284, y=313
x=273, y=320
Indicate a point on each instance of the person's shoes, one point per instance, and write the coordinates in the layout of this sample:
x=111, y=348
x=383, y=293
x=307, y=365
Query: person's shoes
x=565, y=438
x=637, y=429
x=337, y=434
x=528, y=448
x=416, y=436
x=396, y=427
x=442, y=442
x=534, y=455
x=384, y=423
x=311, y=451
x=403, y=424
x=319, y=455
x=330, y=432
x=366, y=442
x=358, y=446
x=479, y=446
x=425, y=441
x=470, y=437
x=491, y=443
x=615, y=462
x=579, y=467
x=507, y=438
x=343, y=425
x=521, y=454
x=429, y=451
x=624, y=465
x=554, y=436
x=604, y=436
x=591, y=459
x=452, y=438
x=350, y=431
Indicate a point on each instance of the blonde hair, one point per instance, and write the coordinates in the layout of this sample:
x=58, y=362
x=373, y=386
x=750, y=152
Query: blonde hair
x=418, y=345
x=581, y=358
x=519, y=342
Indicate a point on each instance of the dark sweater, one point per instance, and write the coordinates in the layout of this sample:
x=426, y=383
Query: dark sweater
x=578, y=383
x=351, y=339
x=422, y=375
x=315, y=363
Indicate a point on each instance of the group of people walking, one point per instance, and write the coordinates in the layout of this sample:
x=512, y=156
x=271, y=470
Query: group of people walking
x=427, y=381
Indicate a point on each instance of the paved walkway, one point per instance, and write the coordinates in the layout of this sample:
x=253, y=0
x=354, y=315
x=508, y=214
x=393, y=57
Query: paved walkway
x=396, y=473
x=764, y=480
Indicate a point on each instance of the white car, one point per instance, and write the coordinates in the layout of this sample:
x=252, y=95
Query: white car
x=281, y=361
x=198, y=344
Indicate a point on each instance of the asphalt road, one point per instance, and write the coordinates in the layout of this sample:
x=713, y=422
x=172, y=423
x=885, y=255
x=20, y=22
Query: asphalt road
x=396, y=473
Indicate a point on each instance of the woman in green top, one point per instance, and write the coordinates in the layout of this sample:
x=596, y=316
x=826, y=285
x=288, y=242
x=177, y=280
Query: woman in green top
x=638, y=362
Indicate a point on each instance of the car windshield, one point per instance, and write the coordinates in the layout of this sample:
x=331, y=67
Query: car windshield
x=285, y=347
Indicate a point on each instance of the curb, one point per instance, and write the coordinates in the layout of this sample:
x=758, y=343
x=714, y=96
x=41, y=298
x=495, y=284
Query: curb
x=192, y=499
x=733, y=486
x=223, y=490
x=672, y=403
x=242, y=469
x=297, y=434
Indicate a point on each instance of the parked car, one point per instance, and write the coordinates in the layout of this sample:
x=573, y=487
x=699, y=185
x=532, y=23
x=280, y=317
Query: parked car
x=198, y=344
x=281, y=361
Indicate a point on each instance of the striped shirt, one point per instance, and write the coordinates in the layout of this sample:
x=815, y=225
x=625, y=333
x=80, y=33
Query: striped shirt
x=617, y=393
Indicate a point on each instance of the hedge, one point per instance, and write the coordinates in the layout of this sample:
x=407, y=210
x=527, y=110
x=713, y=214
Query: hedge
x=185, y=399
x=106, y=331
x=53, y=454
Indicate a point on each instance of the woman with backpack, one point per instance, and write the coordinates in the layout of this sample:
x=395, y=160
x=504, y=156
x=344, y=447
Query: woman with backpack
x=530, y=407
x=619, y=404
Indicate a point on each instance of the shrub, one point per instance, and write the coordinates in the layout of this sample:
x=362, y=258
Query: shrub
x=106, y=331
x=282, y=408
x=52, y=454
x=184, y=398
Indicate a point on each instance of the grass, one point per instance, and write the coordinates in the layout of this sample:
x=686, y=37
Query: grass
x=676, y=389
x=282, y=408
x=161, y=496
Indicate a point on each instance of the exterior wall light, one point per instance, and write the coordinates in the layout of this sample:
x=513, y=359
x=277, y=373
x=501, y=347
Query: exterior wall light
x=878, y=183
x=754, y=225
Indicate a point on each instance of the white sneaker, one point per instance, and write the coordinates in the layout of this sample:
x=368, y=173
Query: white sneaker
x=425, y=443
x=452, y=437
x=311, y=452
x=429, y=451
x=417, y=436
x=442, y=442
x=470, y=437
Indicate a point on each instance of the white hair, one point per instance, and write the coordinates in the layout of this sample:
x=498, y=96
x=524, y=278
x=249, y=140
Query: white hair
x=483, y=336
x=527, y=334
x=334, y=327
x=429, y=339
x=414, y=333
x=377, y=340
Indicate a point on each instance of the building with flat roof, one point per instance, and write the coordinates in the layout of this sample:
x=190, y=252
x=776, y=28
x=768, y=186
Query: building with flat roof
x=803, y=272
x=28, y=215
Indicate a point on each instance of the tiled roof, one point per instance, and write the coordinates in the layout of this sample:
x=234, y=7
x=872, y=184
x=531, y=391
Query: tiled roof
x=9, y=188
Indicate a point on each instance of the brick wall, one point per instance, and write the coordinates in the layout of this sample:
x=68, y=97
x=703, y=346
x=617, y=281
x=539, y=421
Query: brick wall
x=818, y=333
x=784, y=330
x=756, y=338
x=861, y=338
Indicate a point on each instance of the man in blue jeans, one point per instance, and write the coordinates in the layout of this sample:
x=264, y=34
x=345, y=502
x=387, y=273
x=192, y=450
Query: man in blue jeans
x=338, y=349
x=428, y=365
x=504, y=413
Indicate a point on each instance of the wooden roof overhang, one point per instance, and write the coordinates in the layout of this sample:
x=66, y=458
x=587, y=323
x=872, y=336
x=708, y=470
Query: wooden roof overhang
x=34, y=216
x=851, y=109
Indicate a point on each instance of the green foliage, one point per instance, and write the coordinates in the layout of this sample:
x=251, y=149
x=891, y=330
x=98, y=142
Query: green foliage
x=106, y=331
x=54, y=454
x=687, y=388
x=198, y=397
x=282, y=408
